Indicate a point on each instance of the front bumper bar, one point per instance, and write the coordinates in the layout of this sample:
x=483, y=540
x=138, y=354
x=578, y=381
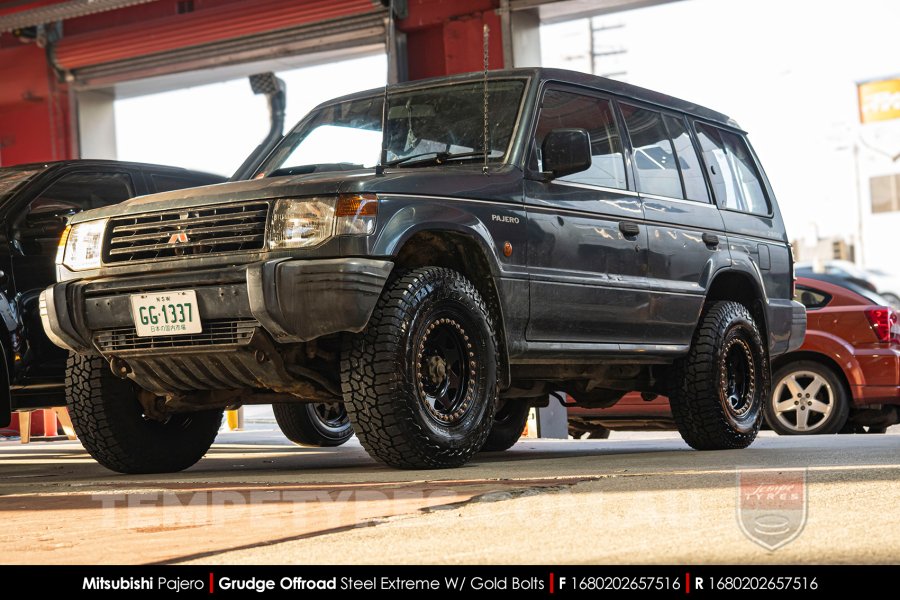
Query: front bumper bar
x=293, y=300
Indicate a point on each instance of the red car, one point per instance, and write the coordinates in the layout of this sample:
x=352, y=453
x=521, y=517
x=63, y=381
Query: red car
x=845, y=377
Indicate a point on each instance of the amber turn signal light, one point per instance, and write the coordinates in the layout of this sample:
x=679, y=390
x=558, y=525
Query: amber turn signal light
x=356, y=205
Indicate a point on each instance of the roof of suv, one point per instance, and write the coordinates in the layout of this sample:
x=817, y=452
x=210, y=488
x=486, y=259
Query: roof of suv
x=566, y=76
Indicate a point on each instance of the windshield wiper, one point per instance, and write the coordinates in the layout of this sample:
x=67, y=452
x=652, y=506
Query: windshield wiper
x=432, y=157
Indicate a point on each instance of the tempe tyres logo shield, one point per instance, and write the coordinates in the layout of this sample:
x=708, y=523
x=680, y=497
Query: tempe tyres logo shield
x=771, y=505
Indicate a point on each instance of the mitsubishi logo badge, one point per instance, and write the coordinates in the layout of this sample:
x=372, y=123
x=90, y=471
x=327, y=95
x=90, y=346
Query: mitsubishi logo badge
x=179, y=238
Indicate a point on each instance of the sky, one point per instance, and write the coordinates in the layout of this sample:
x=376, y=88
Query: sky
x=786, y=70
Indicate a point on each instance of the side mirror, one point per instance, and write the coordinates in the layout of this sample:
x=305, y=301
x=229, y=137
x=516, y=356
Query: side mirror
x=566, y=151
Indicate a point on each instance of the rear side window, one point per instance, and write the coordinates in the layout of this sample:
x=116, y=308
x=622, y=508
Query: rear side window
x=736, y=182
x=567, y=110
x=688, y=161
x=654, y=156
x=811, y=298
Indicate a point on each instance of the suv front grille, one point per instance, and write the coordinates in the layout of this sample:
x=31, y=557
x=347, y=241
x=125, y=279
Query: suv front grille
x=215, y=333
x=204, y=230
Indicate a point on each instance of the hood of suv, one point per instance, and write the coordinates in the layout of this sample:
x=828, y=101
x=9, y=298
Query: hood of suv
x=502, y=183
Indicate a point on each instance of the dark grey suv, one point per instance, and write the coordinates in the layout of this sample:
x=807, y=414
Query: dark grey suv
x=429, y=269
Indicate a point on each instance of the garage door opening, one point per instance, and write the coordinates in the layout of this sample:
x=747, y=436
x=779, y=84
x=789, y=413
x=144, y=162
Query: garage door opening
x=214, y=127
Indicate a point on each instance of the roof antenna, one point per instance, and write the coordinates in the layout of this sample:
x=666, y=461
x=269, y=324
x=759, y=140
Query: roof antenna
x=485, y=37
x=379, y=168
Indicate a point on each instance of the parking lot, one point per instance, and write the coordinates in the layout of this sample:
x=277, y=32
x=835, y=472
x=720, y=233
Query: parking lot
x=635, y=498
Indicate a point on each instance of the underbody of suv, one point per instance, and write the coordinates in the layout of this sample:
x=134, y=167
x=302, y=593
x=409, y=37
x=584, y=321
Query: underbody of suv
x=423, y=273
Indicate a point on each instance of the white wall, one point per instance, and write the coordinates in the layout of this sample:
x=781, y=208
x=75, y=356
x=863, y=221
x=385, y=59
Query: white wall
x=214, y=127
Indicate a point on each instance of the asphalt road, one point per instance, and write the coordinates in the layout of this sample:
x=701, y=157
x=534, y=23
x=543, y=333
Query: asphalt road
x=635, y=498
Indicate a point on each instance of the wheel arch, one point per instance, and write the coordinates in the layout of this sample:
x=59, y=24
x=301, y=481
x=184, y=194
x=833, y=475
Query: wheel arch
x=464, y=251
x=739, y=286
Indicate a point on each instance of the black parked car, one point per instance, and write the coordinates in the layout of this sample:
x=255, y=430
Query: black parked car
x=437, y=272
x=35, y=202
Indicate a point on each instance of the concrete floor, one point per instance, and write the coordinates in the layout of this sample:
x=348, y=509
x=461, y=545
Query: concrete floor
x=635, y=498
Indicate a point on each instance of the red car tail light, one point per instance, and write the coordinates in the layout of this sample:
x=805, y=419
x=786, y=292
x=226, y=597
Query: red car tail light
x=885, y=324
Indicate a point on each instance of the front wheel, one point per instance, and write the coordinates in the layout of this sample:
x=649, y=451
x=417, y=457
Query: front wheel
x=112, y=427
x=420, y=383
x=807, y=398
x=721, y=385
x=316, y=425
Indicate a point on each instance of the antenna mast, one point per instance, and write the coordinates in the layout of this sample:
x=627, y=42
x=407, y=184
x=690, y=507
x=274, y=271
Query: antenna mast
x=485, y=37
x=379, y=168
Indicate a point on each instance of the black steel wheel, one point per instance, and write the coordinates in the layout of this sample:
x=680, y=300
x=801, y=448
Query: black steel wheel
x=420, y=383
x=720, y=387
x=316, y=425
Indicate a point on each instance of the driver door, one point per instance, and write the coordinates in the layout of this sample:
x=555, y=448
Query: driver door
x=35, y=227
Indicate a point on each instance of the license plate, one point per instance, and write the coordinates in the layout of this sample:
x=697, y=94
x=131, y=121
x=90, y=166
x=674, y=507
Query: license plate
x=166, y=313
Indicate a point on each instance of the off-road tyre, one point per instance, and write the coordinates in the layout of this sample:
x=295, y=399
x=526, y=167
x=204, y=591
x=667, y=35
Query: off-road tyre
x=391, y=372
x=719, y=388
x=509, y=423
x=111, y=425
x=314, y=425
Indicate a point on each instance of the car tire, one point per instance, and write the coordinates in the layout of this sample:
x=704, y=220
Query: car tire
x=112, y=427
x=720, y=387
x=420, y=382
x=315, y=425
x=509, y=422
x=808, y=398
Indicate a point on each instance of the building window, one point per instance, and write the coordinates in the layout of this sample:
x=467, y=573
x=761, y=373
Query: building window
x=885, y=192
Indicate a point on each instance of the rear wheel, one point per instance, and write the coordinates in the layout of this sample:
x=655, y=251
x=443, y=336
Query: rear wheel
x=112, y=426
x=509, y=422
x=317, y=425
x=721, y=385
x=807, y=398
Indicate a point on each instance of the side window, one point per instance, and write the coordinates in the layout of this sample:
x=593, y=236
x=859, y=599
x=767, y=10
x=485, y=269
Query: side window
x=564, y=110
x=735, y=179
x=38, y=226
x=166, y=183
x=688, y=161
x=654, y=156
x=811, y=298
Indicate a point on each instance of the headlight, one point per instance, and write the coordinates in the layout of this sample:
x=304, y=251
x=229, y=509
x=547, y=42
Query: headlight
x=83, y=245
x=310, y=222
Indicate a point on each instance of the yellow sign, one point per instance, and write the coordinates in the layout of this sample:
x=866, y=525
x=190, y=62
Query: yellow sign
x=879, y=100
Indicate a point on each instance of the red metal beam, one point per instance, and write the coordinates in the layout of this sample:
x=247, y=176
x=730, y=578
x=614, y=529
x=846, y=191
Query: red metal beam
x=444, y=37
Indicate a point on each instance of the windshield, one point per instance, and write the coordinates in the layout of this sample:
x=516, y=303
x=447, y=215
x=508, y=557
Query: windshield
x=444, y=123
x=11, y=178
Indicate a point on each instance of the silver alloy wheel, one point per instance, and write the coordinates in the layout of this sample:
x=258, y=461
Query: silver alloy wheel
x=802, y=401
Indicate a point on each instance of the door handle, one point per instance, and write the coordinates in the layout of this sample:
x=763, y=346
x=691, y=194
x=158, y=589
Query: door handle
x=629, y=228
x=710, y=239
